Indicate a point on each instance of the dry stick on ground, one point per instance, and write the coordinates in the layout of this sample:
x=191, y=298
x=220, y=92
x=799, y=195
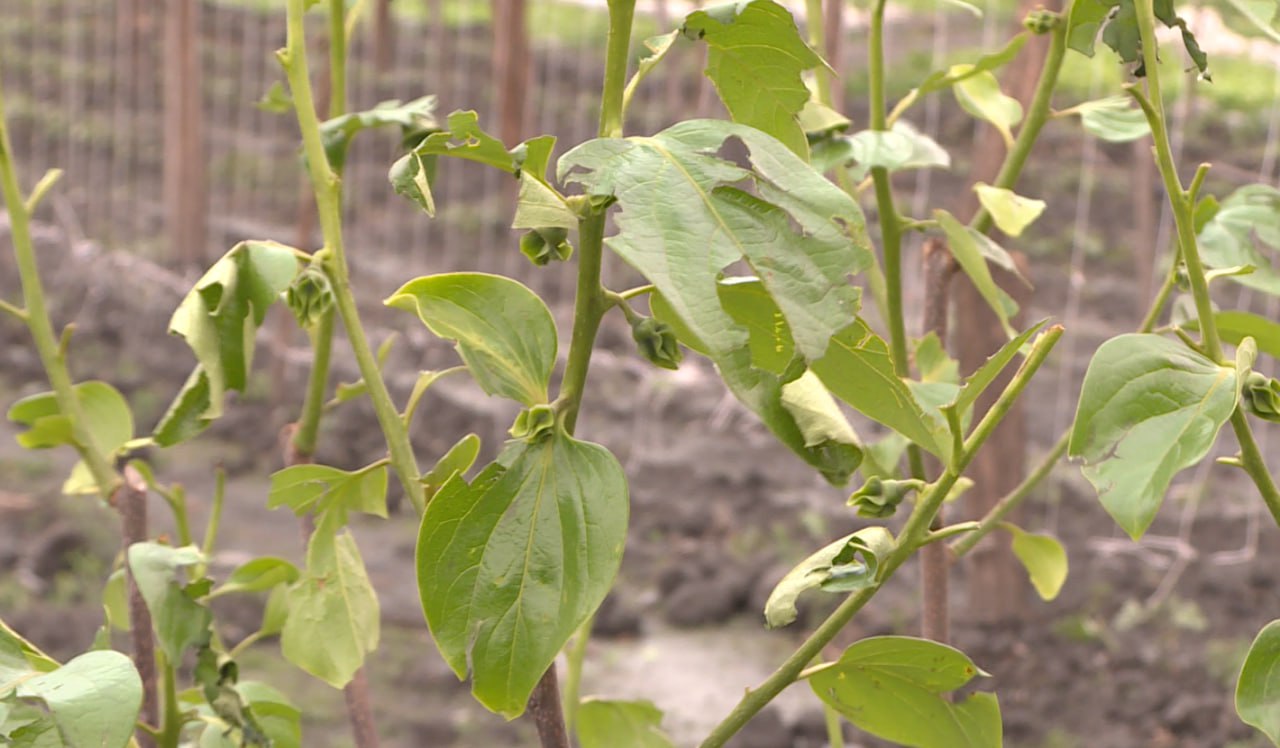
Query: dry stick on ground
x=130, y=500
x=935, y=620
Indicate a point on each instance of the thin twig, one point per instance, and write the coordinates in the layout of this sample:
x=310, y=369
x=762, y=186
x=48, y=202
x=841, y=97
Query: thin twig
x=130, y=500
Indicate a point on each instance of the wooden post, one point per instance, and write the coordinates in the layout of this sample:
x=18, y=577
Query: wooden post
x=995, y=583
x=185, y=189
x=510, y=68
x=383, y=36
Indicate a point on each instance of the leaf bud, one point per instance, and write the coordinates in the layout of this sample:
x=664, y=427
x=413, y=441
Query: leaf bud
x=879, y=498
x=1041, y=21
x=657, y=342
x=310, y=295
x=542, y=246
x=532, y=424
x=1261, y=396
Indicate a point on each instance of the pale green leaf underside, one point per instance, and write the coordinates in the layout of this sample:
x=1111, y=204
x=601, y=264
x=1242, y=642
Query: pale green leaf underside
x=333, y=619
x=179, y=621
x=893, y=688
x=504, y=332
x=1248, y=217
x=685, y=217
x=1043, y=557
x=811, y=573
x=219, y=319
x=606, y=723
x=1149, y=408
x=965, y=247
x=1258, y=690
x=511, y=565
x=93, y=700
x=755, y=57
x=1011, y=212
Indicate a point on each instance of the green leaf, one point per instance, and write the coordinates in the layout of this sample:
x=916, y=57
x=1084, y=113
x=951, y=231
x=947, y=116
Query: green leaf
x=934, y=363
x=852, y=562
x=1149, y=408
x=1260, y=15
x=503, y=331
x=258, y=575
x=1043, y=557
x=278, y=717
x=607, y=723
x=749, y=304
x=980, y=380
x=462, y=137
x=219, y=318
x=1258, y=690
x=898, y=149
x=683, y=221
x=416, y=119
x=457, y=461
x=968, y=253
x=893, y=687
x=858, y=369
x=979, y=94
x=276, y=611
x=106, y=414
x=1084, y=21
x=179, y=620
x=1114, y=119
x=330, y=493
x=1011, y=212
x=94, y=699
x=1235, y=326
x=333, y=617
x=411, y=176
x=658, y=47
x=1227, y=239
x=942, y=79
x=539, y=207
x=512, y=564
x=755, y=58
x=115, y=601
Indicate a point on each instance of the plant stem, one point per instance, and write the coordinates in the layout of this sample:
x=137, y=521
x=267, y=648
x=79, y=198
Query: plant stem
x=935, y=619
x=215, y=512
x=38, y=322
x=1038, y=113
x=573, y=672
x=814, y=18
x=308, y=430
x=171, y=726
x=617, y=52
x=1254, y=464
x=1011, y=500
x=915, y=529
x=1014, y=498
x=1179, y=199
x=326, y=185
x=589, y=306
x=337, y=58
x=890, y=221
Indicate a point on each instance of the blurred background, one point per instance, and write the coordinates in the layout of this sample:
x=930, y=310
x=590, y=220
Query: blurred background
x=159, y=113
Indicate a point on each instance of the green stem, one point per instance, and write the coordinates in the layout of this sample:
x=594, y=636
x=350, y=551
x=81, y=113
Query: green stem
x=17, y=312
x=1013, y=499
x=1254, y=464
x=573, y=672
x=177, y=501
x=1038, y=113
x=835, y=730
x=327, y=189
x=589, y=306
x=1166, y=288
x=337, y=58
x=617, y=51
x=307, y=433
x=215, y=514
x=172, y=721
x=1179, y=199
x=913, y=532
x=814, y=20
x=890, y=222
x=38, y=322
